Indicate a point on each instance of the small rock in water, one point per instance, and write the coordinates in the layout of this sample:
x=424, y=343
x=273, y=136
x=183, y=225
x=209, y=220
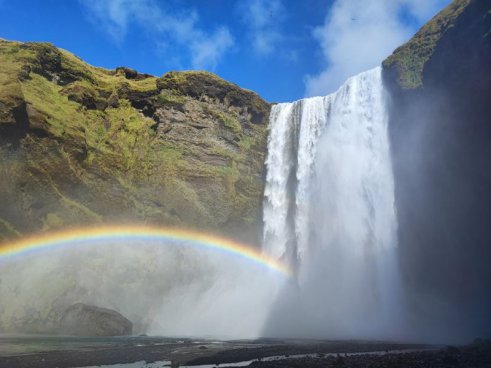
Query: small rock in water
x=86, y=320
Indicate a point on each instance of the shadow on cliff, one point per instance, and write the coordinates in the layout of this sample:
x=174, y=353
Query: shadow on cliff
x=441, y=148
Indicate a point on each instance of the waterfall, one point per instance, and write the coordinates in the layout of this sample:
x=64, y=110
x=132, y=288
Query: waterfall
x=329, y=210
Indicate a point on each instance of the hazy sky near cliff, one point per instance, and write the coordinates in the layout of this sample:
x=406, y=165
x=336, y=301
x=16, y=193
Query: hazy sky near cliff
x=282, y=49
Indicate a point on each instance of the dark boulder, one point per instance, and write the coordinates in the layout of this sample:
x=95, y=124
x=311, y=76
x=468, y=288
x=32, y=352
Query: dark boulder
x=86, y=320
x=131, y=73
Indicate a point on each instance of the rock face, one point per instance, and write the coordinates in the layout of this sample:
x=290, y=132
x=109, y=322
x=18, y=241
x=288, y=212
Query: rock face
x=82, y=145
x=85, y=320
x=440, y=84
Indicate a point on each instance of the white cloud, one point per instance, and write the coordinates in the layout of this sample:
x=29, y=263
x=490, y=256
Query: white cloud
x=263, y=19
x=168, y=27
x=209, y=49
x=357, y=35
x=424, y=9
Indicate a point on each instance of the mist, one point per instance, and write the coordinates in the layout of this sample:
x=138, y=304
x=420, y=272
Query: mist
x=376, y=197
x=340, y=230
x=357, y=202
x=164, y=289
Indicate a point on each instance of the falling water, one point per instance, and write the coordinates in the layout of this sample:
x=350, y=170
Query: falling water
x=329, y=211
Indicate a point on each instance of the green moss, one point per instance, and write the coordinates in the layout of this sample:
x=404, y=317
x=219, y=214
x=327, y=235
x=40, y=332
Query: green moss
x=225, y=153
x=71, y=205
x=10, y=92
x=246, y=143
x=7, y=230
x=182, y=197
x=52, y=221
x=409, y=59
x=51, y=63
x=58, y=113
x=86, y=95
x=129, y=135
x=171, y=98
x=230, y=122
x=230, y=176
x=168, y=155
x=101, y=159
x=170, y=80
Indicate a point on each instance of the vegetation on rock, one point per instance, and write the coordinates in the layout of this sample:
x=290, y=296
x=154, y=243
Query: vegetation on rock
x=84, y=145
x=407, y=61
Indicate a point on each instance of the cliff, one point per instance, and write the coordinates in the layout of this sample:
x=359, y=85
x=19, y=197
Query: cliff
x=82, y=145
x=440, y=87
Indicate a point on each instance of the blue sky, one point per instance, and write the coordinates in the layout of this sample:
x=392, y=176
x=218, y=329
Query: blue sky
x=282, y=49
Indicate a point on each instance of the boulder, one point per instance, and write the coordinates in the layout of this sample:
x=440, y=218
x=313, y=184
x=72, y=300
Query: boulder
x=86, y=320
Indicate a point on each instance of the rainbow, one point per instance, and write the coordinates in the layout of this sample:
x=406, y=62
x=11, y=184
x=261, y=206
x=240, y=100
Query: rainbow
x=81, y=236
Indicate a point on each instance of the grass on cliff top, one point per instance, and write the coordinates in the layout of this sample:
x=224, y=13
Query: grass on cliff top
x=104, y=78
x=10, y=91
x=14, y=55
x=411, y=57
x=182, y=76
x=185, y=77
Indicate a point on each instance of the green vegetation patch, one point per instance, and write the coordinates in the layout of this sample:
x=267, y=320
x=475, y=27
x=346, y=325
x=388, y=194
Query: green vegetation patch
x=410, y=58
x=171, y=98
x=230, y=121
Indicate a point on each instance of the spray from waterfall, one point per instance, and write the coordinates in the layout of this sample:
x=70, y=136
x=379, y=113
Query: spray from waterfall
x=329, y=211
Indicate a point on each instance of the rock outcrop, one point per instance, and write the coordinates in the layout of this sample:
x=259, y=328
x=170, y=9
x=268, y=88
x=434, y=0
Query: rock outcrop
x=81, y=145
x=86, y=320
x=440, y=85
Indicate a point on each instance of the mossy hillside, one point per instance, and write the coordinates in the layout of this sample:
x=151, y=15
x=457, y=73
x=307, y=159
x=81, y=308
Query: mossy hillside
x=10, y=93
x=114, y=146
x=407, y=62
